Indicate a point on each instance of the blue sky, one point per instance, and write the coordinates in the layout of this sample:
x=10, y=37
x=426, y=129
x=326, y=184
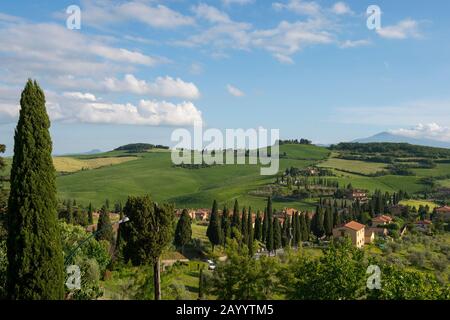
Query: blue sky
x=138, y=69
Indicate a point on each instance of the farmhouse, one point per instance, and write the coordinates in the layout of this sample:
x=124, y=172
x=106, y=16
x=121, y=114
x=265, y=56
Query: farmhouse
x=357, y=195
x=381, y=220
x=354, y=230
x=444, y=212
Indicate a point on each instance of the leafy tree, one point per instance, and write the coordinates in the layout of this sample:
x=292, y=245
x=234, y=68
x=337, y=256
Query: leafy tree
x=35, y=261
x=183, y=231
x=241, y=277
x=104, y=227
x=340, y=274
x=147, y=234
x=214, y=231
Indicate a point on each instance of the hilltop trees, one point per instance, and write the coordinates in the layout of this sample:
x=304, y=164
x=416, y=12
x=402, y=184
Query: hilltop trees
x=214, y=231
x=148, y=232
x=183, y=231
x=35, y=269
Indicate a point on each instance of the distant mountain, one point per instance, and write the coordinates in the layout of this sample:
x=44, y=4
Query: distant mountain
x=390, y=137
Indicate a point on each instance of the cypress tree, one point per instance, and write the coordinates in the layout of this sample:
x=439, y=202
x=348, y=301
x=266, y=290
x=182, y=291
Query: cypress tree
x=214, y=231
x=285, y=231
x=235, y=223
x=317, y=223
x=35, y=261
x=264, y=227
x=336, y=218
x=298, y=229
x=90, y=214
x=277, y=244
x=104, y=227
x=183, y=231
x=250, y=232
x=226, y=225
x=258, y=227
x=328, y=222
x=294, y=230
x=270, y=234
x=304, y=231
x=308, y=226
x=244, y=227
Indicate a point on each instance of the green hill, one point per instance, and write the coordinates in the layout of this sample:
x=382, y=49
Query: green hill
x=154, y=173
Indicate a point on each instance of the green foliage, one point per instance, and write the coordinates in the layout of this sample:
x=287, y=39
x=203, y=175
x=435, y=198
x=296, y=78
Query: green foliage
x=149, y=230
x=340, y=274
x=35, y=268
x=104, y=227
x=242, y=277
x=400, y=284
x=183, y=231
x=214, y=231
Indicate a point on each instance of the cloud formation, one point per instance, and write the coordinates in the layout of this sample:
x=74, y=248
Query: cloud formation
x=235, y=91
x=429, y=131
x=407, y=28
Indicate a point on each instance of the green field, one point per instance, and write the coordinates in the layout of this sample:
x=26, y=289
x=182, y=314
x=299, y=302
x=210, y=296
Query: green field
x=418, y=203
x=154, y=173
x=354, y=166
x=113, y=176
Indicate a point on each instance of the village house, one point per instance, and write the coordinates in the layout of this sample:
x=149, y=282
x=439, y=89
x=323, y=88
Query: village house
x=381, y=220
x=354, y=230
x=444, y=212
x=357, y=195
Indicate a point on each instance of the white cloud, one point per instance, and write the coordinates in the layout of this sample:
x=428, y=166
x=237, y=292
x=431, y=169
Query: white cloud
x=355, y=43
x=210, y=13
x=84, y=107
x=341, y=8
x=235, y=91
x=309, y=8
x=80, y=96
x=162, y=87
x=407, y=28
x=157, y=16
x=238, y=2
x=429, y=131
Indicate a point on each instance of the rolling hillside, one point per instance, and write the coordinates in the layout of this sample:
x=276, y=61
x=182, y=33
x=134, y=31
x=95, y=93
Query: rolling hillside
x=154, y=173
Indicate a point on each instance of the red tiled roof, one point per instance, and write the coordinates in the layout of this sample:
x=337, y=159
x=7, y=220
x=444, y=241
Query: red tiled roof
x=354, y=225
x=443, y=209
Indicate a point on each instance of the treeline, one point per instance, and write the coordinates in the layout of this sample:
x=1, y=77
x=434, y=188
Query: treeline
x=140, y=147
x=295, y=141
x=392, y=149
x=266, y=229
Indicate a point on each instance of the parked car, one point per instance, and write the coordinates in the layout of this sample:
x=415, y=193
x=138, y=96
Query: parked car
x=211, y=265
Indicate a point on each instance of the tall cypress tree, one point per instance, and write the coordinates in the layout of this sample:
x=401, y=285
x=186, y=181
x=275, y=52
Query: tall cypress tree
x=294, y=230
x=250, y=232
x=90, y=214
x=285, y=231
x=244, y=227
x=336, y=217
x=214, y=231
x=258, y=227
x=235, y=222
x=328, y=222
x=303, y=223
x=35, y=261
x=308, y=225
x=264, y=227
x=298, y=229
x=183, y=231
x=226, y=225
x=270, y=234
x=277, y=244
